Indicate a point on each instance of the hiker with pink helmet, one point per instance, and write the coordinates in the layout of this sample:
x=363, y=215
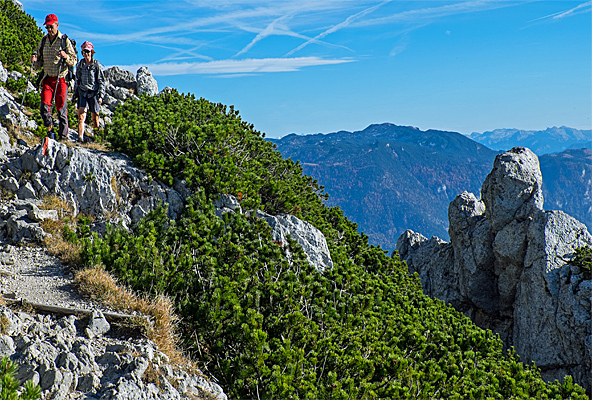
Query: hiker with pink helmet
x=89, y=88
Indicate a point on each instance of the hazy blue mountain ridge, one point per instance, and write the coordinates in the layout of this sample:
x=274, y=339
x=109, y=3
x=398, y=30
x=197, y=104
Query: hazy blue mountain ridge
x=567, y=183
x=551, y=140
x=390, y=178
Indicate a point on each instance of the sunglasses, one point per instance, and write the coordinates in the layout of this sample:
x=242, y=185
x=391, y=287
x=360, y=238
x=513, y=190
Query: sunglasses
x=85, y=51
x=48, y=27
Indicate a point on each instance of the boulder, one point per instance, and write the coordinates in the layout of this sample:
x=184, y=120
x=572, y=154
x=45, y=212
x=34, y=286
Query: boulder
x=97, y=325
x=146, y=84
x=283, y=226
x=120, y=93
x=508, y=270
x=311, y=239
x=226, y=203
x=120, y=78
x=512, y=190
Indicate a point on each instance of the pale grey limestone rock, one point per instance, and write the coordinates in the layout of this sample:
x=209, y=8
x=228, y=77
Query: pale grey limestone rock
x=311, y=240
x=120, y=78
x=7, y=347
x=41, y=348
x=97, y=325
x=146, y=84
x=508, y=269
x=93, y=182
x=3, y=73
x=512, y=190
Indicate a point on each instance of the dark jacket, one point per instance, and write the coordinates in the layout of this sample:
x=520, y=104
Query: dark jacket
x=90, y=81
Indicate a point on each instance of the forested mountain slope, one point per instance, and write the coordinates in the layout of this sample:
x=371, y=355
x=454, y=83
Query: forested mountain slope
x=390, y=178
x=567, y=183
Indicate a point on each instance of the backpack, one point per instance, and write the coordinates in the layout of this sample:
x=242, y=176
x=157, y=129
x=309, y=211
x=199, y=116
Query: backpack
x=70, y=75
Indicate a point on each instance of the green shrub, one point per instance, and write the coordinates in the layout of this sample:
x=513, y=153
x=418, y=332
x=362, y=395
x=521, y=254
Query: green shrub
x=583, y=259
x=267, y=327
x=9, y=386
x=19, y=36
x=208, y=145
x=16, y=87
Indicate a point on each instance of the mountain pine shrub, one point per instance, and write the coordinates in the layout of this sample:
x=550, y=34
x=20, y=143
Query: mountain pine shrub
x=19, y=36
x=583, y=259
x=267, y=327
x=10, y=388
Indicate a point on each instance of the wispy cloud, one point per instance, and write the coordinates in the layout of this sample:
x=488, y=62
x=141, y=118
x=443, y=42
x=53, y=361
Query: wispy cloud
x=247, y=66
x=579, y=9
x=278, y=28
x=223, y=32
x=420, y=15
x=348, y=21
x=270, y=30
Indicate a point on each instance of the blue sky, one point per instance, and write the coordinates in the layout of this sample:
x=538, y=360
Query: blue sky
x=310, y=66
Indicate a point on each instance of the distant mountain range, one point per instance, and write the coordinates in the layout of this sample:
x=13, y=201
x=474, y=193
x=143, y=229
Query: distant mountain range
x=551, y=140
x=390, y=178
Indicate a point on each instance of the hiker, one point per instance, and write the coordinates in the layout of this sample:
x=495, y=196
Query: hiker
x=89, y=88
x=54, y=55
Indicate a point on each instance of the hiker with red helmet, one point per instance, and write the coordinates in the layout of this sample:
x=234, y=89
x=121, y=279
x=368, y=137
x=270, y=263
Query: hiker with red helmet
x=89, y=88
x=54, y=54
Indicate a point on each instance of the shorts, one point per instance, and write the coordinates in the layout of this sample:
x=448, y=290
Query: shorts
x=91, y=102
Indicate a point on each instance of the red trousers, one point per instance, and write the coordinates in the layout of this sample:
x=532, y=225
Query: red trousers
x=47, y=88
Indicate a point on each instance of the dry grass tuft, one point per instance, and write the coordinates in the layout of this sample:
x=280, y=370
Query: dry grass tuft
x=6, y=194
x=56, y=244
x=152, y=375
x=115, y=189
x=16, y=133
x=101, y=286
x=96, y=146
x=4, y=324
x=53, y=202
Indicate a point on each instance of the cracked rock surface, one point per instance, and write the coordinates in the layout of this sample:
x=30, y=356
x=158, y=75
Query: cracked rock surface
x=506, y=268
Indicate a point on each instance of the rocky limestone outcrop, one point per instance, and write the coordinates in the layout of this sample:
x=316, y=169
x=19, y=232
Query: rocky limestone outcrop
x=98, y=183
x=73, y=357
x=92, y=182
x=146, y=84
x=109, y=187
x=505, y=268
x=123, y=85
x=11, y=112
x=311, y=240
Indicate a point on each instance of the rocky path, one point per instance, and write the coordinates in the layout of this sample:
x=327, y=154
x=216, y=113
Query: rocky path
x=30, y=273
